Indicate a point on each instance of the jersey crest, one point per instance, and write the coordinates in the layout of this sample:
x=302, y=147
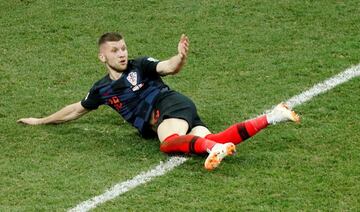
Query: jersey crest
x=132, y=78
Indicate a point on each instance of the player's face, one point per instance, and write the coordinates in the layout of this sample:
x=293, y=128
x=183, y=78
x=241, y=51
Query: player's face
x=115, y=55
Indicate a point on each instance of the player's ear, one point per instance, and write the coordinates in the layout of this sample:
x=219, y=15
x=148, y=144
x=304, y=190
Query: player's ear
x=102, y=57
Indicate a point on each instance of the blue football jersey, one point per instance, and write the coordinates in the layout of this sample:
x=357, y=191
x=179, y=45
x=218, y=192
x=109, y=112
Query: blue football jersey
x=132, y=95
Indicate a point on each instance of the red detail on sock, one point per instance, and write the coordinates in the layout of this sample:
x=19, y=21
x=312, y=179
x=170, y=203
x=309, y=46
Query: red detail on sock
x=231, y=134
x=175, y=143
x=171, y=136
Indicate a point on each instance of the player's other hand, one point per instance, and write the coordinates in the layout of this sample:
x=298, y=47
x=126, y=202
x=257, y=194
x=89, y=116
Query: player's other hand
x=183, y=46
x=29, y=121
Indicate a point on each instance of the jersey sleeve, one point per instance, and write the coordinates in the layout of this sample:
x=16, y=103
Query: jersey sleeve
x=148, y=64
x=92, y=100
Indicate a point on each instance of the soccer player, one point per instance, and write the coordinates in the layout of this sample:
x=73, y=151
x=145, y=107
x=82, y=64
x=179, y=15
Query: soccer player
x=134, y=89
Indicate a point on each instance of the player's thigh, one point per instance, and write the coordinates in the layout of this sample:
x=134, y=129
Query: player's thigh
x=172, y=126
x=200, y=131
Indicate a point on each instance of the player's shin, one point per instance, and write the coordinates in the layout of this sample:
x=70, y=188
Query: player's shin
x=240, y=131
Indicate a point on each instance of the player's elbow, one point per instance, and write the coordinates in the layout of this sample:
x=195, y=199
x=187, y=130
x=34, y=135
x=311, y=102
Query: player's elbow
x=79, y=109
x=175, y=71
x=76, y=110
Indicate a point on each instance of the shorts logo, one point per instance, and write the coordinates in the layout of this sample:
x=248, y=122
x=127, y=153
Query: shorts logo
x=152, y=59
x=132, y=78
x=87, y=96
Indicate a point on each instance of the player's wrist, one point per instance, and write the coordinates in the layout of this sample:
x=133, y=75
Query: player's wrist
x=181, y=56
x=41, y=121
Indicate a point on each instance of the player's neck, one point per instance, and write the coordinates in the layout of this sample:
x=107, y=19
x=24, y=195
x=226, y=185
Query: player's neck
x=114, y=75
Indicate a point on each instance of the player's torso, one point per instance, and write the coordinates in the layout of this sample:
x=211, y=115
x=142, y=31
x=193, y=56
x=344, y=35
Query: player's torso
x=128, y=94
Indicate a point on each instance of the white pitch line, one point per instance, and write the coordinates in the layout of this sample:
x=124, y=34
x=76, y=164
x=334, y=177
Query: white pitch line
x=123, y=187
x=322, y=87
x=173, y=162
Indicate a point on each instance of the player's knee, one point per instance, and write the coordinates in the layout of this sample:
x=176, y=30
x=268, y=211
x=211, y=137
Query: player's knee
x=172, y=126
x=200, y=131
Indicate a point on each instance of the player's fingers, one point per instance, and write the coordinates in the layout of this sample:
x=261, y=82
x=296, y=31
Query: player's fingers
x=186, y=45
x=187, y=39
x=29, y=121
x=182, y=37
x=183, y=45
x=22, y=121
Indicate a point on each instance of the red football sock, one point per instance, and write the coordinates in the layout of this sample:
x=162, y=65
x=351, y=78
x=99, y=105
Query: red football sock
x=240, y=131
x=186, y=144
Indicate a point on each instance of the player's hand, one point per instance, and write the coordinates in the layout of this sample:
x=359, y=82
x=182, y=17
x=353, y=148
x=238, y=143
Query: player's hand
x=29, y=121
x=183, y=46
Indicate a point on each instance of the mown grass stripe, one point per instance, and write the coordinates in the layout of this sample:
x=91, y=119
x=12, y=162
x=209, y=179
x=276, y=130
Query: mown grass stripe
x=173, y=162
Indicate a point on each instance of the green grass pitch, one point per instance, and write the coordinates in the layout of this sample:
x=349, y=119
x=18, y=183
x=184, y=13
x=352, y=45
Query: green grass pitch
x=245, y=56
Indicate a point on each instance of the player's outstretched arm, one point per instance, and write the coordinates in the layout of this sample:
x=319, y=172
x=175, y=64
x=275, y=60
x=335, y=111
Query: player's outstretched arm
x=175, y=63
x=68, y=113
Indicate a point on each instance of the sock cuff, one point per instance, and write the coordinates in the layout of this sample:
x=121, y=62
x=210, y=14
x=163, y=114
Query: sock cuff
x=208, y=135
x=171, y=136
